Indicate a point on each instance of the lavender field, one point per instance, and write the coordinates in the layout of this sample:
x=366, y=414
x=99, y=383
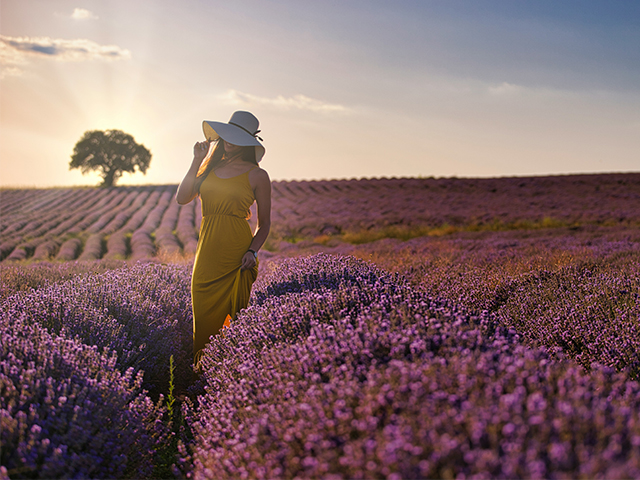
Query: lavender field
x=141, y=223
x=399, y=328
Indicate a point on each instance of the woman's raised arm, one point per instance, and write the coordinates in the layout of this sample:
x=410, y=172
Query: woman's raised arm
x=187, y=190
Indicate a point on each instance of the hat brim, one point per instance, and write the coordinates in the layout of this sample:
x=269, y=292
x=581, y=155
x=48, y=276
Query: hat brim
x=232, y=134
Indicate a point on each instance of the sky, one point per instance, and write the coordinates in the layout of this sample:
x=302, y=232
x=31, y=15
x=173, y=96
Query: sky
x=342, y=89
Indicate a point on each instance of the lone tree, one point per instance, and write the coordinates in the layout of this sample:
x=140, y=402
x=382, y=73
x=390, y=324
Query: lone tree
x=110, y=151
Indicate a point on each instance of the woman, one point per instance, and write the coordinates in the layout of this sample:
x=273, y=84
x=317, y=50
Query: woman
x=225, y=173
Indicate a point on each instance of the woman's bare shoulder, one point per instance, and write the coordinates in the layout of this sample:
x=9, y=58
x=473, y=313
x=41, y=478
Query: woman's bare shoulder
x=258, y=176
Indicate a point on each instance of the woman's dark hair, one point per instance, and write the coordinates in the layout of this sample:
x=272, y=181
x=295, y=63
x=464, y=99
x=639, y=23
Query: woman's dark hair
x=217, y=157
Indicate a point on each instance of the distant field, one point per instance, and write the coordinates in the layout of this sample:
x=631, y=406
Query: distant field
x=136, y=223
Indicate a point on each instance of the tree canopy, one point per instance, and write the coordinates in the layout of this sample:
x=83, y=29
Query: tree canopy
x=112, y=152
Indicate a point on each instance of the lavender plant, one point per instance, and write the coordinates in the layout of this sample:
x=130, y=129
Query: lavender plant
x=591, y=311
x=574, y=290
x=143, y=313
x=66, y=411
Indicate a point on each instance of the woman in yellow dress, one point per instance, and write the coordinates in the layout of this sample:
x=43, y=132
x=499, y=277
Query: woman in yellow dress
x=225, y=174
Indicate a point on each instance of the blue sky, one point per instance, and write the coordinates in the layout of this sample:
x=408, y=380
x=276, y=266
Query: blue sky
x=343, y=89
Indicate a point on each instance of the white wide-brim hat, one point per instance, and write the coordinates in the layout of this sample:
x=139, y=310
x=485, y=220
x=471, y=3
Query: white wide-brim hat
x=241, y=130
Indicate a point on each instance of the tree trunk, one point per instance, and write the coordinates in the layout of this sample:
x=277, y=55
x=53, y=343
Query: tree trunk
x=109, y=178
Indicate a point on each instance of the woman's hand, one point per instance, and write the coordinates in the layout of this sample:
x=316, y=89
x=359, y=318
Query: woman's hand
x=200, y=151
x=248, y=261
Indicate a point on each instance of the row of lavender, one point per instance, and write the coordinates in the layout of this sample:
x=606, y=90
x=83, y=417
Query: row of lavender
x=141, y=222
x=339, y=369
x=87, y=224
x=578, y=289
x=83, y=363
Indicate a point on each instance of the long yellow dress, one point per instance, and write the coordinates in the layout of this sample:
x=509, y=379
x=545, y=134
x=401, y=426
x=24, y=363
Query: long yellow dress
x=218, y=286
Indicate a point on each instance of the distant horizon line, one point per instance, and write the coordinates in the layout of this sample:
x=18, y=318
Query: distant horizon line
x=415, y=177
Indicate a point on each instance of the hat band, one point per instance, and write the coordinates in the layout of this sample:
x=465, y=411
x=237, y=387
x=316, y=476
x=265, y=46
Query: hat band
x=255, y=135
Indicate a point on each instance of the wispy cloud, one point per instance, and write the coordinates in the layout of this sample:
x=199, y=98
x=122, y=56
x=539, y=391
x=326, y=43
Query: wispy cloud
x=10, y=71
x=296, y=102
x=17, y=50
x=506, y=88
x=83, y=14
